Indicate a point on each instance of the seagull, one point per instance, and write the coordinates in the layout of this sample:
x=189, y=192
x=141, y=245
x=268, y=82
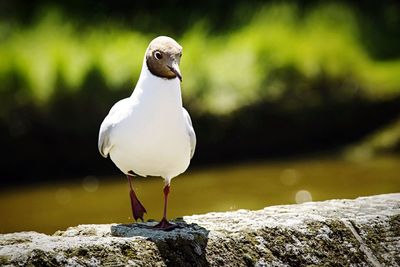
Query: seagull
x=150, y=133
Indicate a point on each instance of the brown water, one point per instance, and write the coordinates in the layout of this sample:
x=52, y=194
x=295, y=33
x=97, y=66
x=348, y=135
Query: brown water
x=241, y=186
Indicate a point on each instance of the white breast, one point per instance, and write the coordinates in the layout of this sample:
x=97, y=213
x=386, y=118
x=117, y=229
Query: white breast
x=151, y=138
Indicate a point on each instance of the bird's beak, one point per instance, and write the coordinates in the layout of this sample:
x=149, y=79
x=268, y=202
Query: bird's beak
x=175, y=69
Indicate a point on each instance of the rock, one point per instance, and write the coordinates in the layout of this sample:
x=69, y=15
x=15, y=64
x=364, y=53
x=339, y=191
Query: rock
x=360, y=232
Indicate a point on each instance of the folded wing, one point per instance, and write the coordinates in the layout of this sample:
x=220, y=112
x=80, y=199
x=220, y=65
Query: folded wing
x=104, y=143
x=116, y=114
x=190, y=130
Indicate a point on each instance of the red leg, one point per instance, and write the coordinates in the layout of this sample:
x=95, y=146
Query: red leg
x=137, y=208
x=164, y=224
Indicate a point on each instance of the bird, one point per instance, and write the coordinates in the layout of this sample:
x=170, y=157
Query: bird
x=150, y=133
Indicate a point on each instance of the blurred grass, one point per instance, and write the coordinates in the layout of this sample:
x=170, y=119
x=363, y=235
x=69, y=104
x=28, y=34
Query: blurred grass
x=227, y=71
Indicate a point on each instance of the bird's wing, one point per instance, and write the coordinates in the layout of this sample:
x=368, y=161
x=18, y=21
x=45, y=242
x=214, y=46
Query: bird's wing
x=114, y=116
x=104, y=144
x=192, y=134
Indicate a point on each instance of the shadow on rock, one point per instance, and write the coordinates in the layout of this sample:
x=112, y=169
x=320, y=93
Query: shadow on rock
x=182, y=246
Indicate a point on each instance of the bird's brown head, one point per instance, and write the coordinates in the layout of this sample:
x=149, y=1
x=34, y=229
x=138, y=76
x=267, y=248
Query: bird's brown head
x=163, y=57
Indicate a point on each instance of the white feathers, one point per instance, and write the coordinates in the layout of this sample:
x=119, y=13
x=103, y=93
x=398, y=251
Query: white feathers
x=192, y=134
x=150, y=132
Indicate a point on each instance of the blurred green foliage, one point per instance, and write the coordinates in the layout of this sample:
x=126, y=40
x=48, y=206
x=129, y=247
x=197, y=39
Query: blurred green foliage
x=380, y=141
x=263, y=80
x=280, y=51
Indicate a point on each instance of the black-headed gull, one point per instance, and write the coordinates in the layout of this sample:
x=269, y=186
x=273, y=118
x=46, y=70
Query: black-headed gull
x=151, y=133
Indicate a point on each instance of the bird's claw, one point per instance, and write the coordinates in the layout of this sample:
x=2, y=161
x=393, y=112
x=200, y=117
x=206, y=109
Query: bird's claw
x=165, y=225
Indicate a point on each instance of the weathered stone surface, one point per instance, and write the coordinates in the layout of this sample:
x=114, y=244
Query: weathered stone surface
x=361, y=232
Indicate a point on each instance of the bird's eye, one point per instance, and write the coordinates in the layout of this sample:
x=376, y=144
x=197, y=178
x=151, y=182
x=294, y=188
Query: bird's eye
x=158, y=55
x=180, y=54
